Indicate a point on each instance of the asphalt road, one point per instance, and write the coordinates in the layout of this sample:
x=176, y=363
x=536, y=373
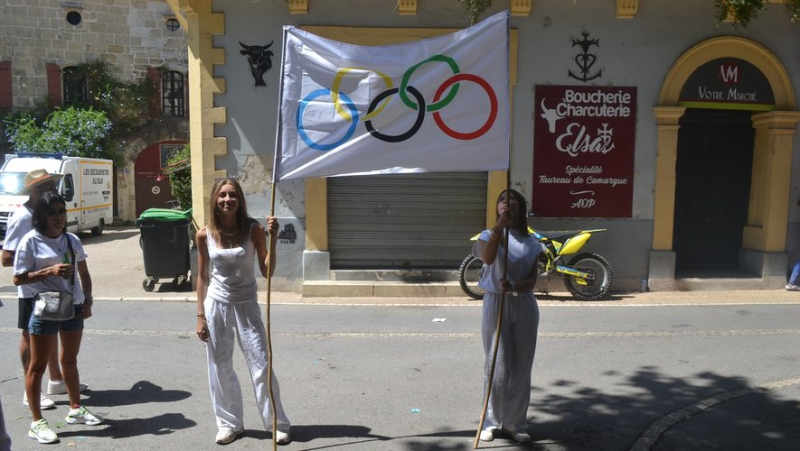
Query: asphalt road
x=399, y=378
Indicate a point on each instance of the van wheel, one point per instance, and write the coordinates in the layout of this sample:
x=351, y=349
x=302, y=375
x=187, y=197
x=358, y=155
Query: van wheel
x=97, y=231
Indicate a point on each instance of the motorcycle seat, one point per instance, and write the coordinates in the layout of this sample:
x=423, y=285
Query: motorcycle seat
x=564, y=234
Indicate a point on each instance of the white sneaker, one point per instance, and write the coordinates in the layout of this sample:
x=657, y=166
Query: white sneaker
x=60, y=388
x=282, y=437
x=487, y=435
x=522, y=437
x=227, y=435
x=41, y=432
x=82, y=415
x=45, y=403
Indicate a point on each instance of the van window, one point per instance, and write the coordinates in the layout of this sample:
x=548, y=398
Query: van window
x=68, y=188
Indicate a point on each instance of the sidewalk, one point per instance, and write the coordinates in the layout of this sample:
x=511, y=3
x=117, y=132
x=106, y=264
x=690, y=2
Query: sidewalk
x=116, y=264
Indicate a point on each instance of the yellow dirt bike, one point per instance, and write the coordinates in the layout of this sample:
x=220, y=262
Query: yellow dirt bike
x=587, y=276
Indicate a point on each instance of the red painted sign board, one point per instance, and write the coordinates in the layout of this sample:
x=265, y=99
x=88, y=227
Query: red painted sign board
x=583, y=151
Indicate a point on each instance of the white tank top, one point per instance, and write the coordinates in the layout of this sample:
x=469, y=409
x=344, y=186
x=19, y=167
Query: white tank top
x=232, y=272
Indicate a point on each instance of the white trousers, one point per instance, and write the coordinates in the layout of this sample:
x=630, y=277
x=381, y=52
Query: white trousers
x=226, y=393
x=511, y=385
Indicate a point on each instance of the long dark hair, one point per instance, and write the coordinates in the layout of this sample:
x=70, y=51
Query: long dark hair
x=41, y=209
x=242, y=221
x=522, y=210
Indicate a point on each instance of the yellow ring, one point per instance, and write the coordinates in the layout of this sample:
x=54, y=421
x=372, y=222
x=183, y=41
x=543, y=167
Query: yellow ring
x=335, y=92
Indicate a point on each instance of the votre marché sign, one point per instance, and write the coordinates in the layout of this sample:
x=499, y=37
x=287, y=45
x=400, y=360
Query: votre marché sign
x=730, y=84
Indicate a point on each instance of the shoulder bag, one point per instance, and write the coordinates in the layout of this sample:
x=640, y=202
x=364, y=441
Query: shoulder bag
x=56, y=305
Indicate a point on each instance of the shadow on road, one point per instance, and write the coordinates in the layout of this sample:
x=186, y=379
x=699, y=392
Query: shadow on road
x=142, y=392
x=707, y=411
x=163, y=424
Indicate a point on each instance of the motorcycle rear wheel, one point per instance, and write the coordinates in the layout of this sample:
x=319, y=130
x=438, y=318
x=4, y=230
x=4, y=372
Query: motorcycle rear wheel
x=469, y=273
x=591, y=289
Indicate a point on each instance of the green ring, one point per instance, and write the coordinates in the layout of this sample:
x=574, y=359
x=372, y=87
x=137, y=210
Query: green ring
x=434, y=106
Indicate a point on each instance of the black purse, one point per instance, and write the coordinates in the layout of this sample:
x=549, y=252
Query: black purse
x=56, y=305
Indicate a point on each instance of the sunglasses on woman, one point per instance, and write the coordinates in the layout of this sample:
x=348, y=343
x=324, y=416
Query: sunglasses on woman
x=59, y=212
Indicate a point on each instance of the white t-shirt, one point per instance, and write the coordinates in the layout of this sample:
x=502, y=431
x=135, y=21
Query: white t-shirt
x=19, y=224
x=37, y=251
x=524, y=253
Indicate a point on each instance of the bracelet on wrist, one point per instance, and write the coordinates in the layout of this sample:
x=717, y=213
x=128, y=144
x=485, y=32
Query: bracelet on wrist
x=201, y=315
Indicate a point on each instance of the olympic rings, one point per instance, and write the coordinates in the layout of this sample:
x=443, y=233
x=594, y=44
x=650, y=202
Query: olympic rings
x=351, y=114
x=437, y=116
x=301, y=131
x=414, y=128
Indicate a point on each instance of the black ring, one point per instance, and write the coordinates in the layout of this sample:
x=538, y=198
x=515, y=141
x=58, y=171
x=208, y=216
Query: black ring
x=414, y=129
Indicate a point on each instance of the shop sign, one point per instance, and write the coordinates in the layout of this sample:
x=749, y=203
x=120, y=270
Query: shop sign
x=729, y=84
x=583, y=149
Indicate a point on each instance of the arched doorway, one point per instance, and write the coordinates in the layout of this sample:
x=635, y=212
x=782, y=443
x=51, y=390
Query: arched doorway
x=152, y=187
x=763, y=236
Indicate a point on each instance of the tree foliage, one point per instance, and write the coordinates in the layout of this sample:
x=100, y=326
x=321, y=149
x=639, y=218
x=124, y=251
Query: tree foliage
x=75, y=132
x=741, y=11
x=180, y=176
x=475, y=8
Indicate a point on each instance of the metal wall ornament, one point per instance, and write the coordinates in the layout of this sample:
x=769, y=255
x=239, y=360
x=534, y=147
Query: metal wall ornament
x=260, y=59
x=585, y=60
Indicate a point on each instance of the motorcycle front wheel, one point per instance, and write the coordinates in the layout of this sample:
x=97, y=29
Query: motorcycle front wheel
x=587, y=289
x=469, y=273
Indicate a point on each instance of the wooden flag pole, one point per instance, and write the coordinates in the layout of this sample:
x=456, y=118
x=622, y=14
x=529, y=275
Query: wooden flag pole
x=497, y=333
x=270, y=249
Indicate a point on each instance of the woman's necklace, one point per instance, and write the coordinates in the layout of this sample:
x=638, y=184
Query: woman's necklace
x=229, y=236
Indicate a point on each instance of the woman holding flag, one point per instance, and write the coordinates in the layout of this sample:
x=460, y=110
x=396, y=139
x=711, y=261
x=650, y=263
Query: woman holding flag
x=227, y=300
x=509, y=280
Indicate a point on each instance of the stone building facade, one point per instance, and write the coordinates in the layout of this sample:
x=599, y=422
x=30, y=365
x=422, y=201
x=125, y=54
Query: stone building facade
x=41, y=39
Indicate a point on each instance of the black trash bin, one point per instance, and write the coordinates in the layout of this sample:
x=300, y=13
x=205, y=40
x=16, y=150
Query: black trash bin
x=165, y=244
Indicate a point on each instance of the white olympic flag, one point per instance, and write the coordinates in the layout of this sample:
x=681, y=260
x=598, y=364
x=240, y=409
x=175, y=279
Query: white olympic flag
x=433, y=105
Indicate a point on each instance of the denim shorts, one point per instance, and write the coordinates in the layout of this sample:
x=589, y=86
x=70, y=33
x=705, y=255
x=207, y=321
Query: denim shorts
x=37, y=326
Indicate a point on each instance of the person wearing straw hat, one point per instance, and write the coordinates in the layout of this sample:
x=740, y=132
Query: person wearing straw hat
x=510, y=281
x=35, y=184
x=227, y=300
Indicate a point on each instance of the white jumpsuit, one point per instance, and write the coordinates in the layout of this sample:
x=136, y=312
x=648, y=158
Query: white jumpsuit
x=511, y=385
x=231, y=303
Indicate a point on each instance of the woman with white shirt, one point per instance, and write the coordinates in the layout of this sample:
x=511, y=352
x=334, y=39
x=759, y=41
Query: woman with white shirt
x=512, y=285
x=46, y=260
x=227, y=300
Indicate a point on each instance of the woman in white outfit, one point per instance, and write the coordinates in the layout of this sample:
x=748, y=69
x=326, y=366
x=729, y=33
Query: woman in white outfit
x=50, y=259
x=511, y=385
x=227, y=301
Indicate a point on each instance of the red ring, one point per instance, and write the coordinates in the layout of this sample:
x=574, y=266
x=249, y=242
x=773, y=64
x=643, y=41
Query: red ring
x=492, y=111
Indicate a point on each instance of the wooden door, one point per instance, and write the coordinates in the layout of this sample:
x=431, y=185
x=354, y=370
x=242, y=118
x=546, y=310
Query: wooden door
x=712, y=188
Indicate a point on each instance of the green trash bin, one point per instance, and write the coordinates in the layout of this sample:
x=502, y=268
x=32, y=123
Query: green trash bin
x=165, y=244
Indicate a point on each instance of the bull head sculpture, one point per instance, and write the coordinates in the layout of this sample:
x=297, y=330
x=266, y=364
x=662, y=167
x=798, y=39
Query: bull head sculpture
x=260, y=59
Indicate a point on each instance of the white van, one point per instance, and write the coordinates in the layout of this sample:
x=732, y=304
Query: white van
x=87, y=186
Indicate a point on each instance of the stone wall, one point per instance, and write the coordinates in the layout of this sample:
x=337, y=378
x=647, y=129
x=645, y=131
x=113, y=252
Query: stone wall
x=131, y=35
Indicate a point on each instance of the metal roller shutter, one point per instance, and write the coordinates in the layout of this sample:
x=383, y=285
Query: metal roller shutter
x=404, y=221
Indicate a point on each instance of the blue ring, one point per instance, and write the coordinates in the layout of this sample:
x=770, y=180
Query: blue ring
x=301, y=130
